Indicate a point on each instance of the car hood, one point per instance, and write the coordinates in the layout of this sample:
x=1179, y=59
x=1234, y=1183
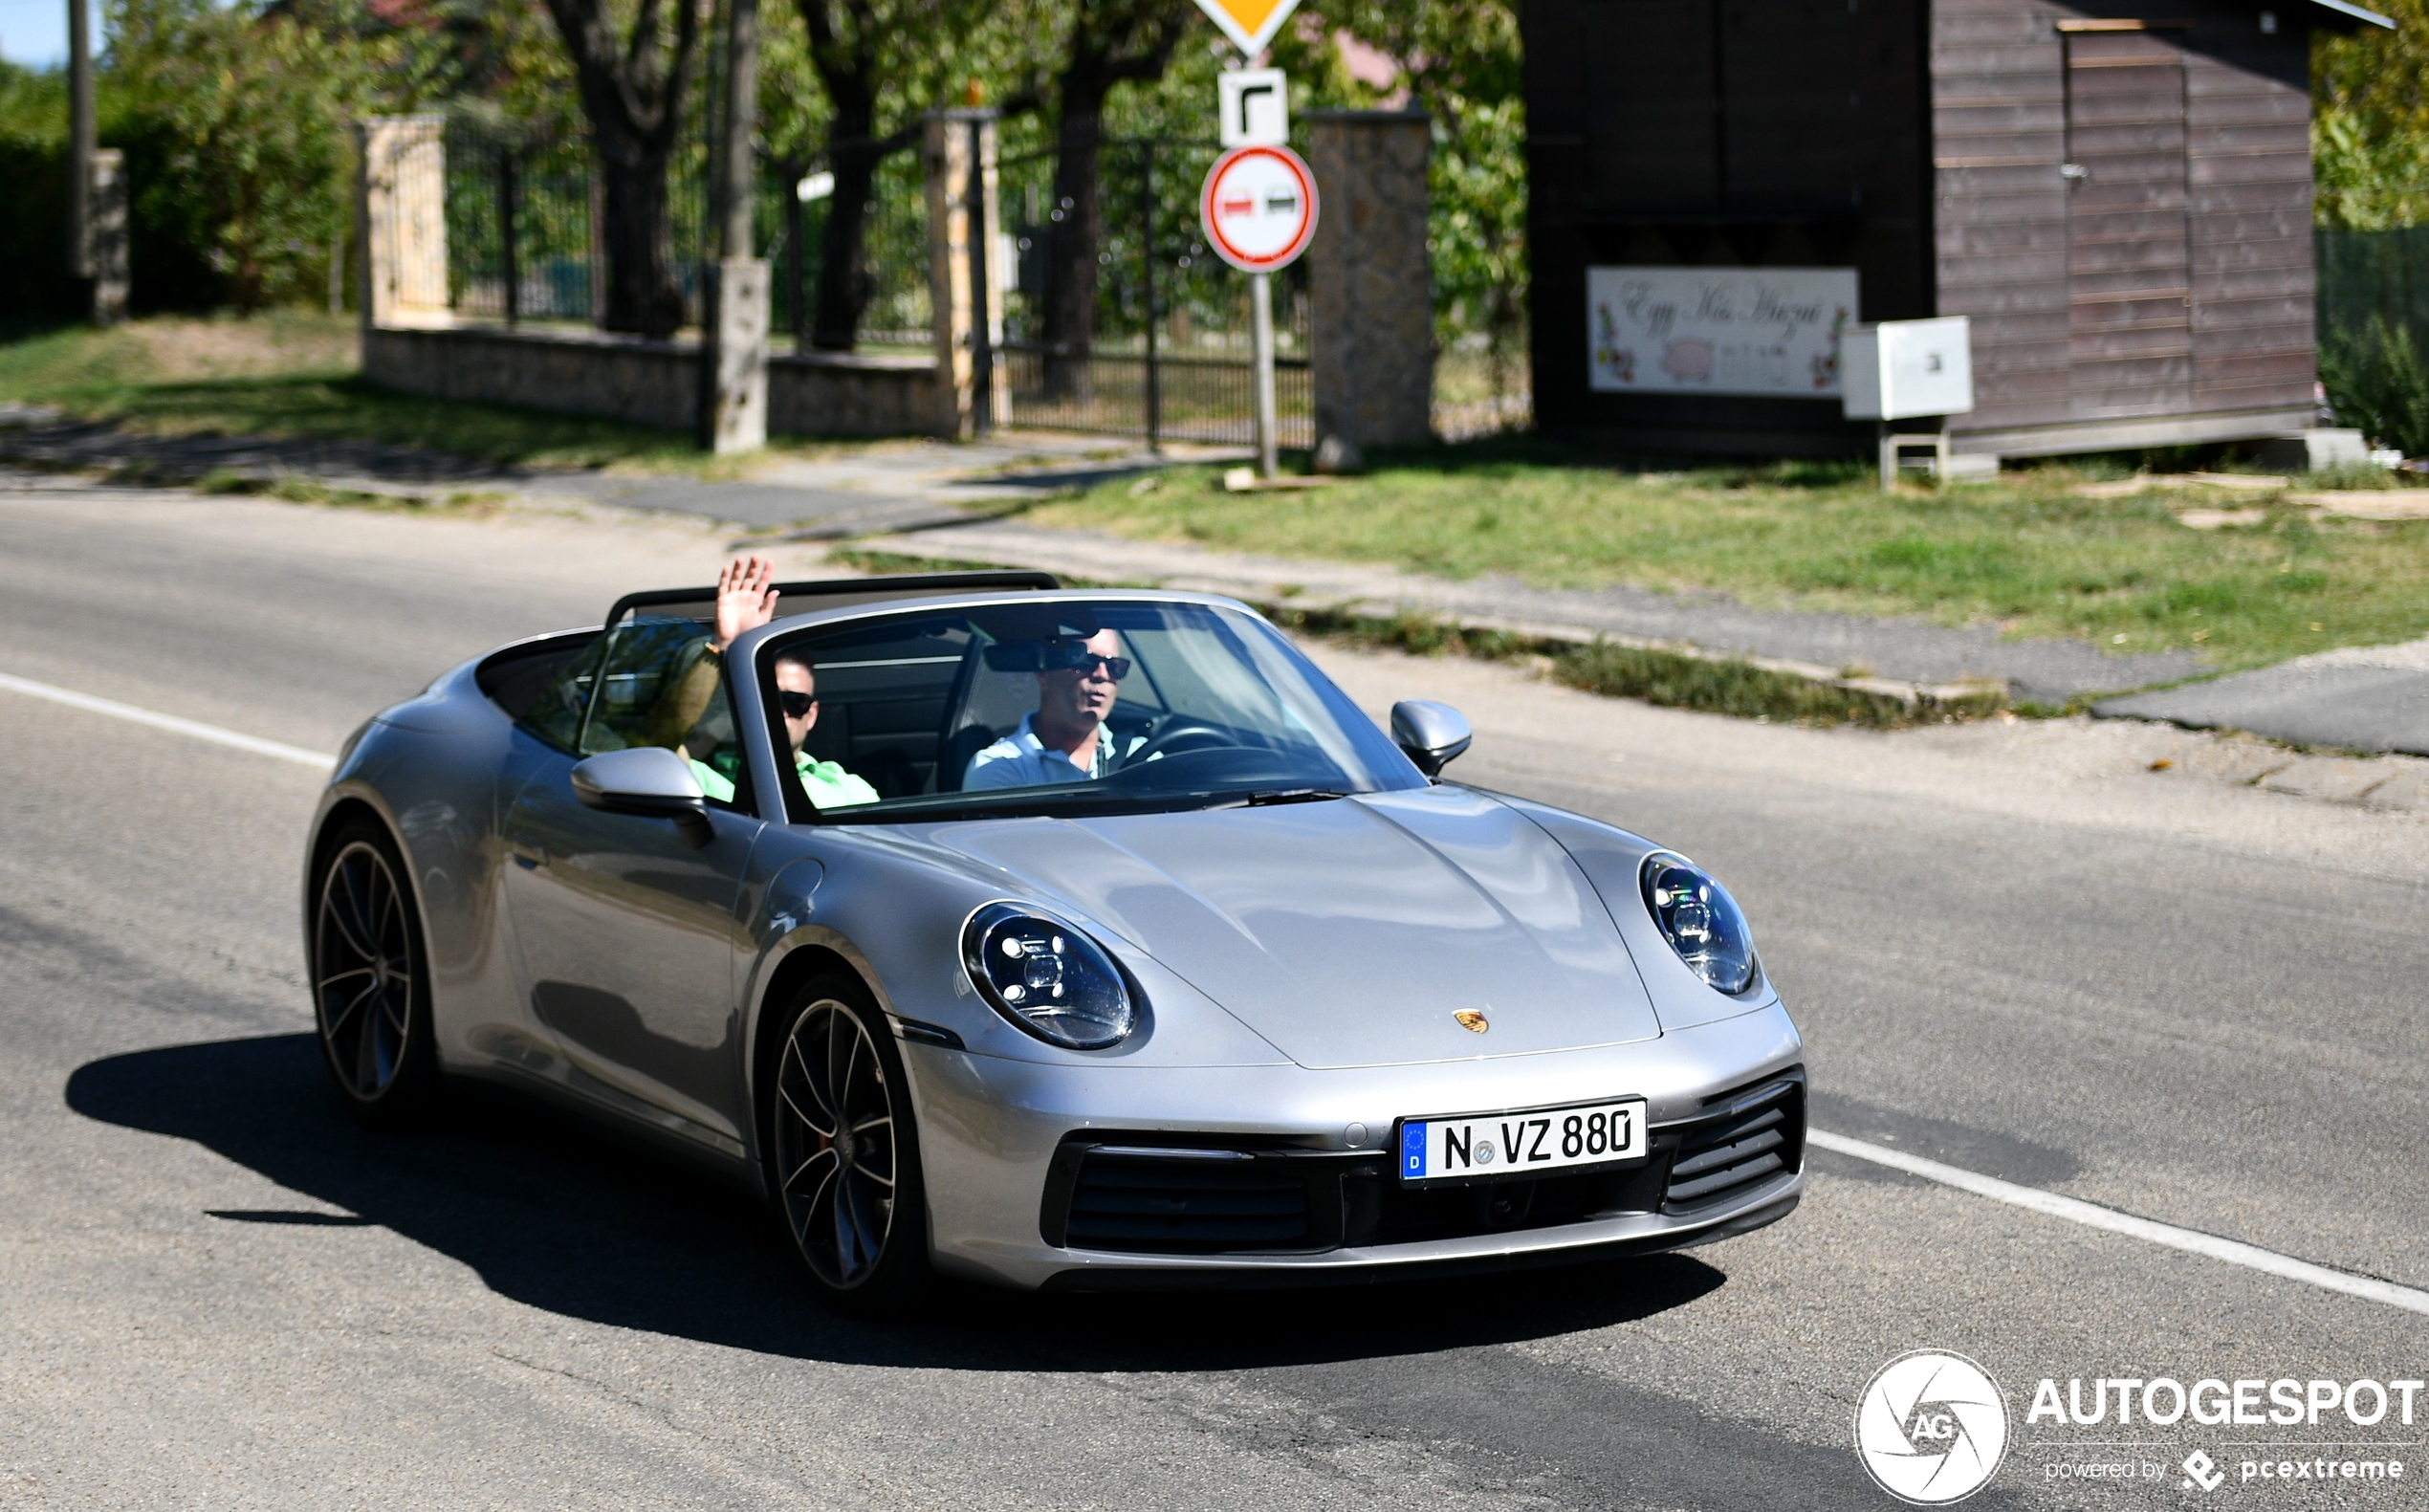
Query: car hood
x=1347, y=932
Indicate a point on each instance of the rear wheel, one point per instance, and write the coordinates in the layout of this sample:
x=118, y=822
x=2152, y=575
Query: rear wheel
x=842, y=1155
x=371, y=991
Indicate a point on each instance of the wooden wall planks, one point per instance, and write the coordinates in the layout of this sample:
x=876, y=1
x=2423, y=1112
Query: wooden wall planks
x=1920, y=141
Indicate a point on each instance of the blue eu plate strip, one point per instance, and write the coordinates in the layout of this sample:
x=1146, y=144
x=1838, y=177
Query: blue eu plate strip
x=1412, y=1150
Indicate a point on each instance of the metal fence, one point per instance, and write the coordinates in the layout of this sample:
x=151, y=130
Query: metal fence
x=524, y=232
x=2366, y=274
x=1169, y=355
x=1167, y=358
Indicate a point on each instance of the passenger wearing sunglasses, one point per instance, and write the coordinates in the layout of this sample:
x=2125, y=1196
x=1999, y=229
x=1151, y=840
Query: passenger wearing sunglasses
x=1066, y=739
x=745, y=602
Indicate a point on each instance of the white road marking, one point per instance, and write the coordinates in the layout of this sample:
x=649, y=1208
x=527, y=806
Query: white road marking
x=169, y=722
x=2092, y=1215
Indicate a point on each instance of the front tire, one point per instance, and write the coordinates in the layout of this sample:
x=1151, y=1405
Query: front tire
x=370, y=978
x=843, y=1154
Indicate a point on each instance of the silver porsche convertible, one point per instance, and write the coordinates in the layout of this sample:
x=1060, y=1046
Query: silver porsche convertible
x=1045, y=938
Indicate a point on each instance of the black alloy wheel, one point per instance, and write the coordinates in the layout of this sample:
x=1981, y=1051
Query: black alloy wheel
x=841, y=1151
x=370, y=986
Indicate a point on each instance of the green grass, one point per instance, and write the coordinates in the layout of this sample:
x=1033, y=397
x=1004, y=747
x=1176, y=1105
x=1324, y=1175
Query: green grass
x=2026, y=554
x=293, y=374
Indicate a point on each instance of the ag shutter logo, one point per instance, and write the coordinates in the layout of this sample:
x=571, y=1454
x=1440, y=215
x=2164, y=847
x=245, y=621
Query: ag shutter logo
x=1932, y=1428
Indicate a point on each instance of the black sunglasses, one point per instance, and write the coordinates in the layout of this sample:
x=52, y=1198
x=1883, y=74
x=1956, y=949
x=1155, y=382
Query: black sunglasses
x=795, y=706
x=1116, y=668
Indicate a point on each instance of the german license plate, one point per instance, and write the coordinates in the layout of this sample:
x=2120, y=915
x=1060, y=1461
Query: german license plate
x=1485, y=1144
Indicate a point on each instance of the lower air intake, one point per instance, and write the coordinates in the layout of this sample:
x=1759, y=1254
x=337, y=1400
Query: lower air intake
x=1185, y=1202
x=1744, y=1139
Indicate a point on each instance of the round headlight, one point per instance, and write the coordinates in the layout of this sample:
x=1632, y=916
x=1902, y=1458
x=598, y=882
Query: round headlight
x=1047, y=978
x=1700, y=921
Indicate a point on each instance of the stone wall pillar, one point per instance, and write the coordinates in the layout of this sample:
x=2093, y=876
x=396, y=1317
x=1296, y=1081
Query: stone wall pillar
x=1368, y=280
x=401, y=211
x=966, y=288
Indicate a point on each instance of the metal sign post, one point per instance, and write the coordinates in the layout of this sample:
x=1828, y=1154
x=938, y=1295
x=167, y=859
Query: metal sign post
x=1259, y=208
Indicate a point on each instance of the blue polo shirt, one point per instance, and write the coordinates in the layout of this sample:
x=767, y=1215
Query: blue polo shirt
x=1021, y=760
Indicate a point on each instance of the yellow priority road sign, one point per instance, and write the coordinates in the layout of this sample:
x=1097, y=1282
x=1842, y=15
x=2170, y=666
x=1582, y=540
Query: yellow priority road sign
x=1249, y=24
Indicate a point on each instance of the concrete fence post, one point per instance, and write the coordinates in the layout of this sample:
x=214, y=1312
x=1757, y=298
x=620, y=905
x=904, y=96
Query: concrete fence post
x=401, y=212
x=105, y=233
x=965, y=287
x=736, y=361
x=1369, y=281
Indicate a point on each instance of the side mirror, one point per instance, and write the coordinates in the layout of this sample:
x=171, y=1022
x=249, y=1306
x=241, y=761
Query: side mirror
x=1433, y=734
x=644, y=779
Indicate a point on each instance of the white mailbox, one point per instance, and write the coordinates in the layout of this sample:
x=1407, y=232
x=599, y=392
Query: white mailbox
x=1899, y=368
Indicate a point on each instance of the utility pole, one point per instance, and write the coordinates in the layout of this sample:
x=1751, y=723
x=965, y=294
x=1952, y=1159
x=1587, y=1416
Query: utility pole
x=81, y=138
x=734, y=327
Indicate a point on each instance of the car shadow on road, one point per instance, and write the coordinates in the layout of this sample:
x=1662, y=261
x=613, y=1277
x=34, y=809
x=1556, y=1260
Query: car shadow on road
x=552, y=1214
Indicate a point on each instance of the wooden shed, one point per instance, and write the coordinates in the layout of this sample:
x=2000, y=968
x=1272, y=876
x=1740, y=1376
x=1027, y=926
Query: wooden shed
x=2118, y=196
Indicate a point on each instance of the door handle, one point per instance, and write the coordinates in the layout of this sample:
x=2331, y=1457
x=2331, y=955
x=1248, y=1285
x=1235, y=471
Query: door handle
x=528, y=856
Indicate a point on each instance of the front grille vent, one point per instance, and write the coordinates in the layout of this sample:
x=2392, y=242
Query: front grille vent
x=1747, y=1138
x=1185, y=1202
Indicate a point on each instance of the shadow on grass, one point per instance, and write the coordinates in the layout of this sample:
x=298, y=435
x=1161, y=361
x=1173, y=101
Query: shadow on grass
x=348, y=407
x=554, y=1217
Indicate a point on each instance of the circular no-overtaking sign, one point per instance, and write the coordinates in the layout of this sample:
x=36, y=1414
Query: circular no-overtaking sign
x=1259, y=208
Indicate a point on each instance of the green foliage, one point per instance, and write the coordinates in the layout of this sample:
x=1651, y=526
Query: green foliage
x=236, y=124
x=34, y=176
x=2377, y=380
x=2370, y=123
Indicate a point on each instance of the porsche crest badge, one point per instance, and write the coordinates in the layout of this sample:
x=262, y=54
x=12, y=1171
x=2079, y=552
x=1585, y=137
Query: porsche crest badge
x=1472, y=1020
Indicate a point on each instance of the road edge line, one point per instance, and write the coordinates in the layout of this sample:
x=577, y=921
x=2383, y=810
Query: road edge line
x=194, y=729
x=2092, y=1215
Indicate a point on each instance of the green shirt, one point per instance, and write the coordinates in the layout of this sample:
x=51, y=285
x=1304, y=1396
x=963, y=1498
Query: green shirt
x=827, y=783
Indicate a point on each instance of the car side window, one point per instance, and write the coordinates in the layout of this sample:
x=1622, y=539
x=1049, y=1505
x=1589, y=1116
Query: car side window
x=648, y=682
x=556, y=712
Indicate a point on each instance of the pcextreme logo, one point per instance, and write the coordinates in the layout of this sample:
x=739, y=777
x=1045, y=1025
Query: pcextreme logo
x=1932, y=1428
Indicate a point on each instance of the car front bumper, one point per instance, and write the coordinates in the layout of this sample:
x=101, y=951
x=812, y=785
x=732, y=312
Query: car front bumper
x=992, y=1132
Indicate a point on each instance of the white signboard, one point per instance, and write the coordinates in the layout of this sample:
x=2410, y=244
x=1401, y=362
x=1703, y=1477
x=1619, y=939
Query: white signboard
x=1717, y=330
x=1252, y=107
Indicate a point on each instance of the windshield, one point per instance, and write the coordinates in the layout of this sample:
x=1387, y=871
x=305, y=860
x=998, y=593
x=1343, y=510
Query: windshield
x=1083, y=705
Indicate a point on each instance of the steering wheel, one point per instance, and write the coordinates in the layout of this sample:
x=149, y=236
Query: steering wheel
x=1178, y=736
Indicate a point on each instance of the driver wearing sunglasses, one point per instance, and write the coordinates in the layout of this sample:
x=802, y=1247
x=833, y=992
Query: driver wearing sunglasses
x=1066, y=739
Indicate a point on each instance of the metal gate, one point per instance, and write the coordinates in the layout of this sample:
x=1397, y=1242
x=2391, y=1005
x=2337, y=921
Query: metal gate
x=1168, y=358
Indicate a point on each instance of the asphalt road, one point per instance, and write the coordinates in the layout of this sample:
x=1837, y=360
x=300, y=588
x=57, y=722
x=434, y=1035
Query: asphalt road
x=2010, y=949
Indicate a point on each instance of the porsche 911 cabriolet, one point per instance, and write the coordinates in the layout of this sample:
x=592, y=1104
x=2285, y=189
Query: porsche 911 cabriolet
x=1044, y=938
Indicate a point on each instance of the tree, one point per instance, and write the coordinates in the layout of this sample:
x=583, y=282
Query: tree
x=631, y=90
x=880, y=63
x=1109, y=42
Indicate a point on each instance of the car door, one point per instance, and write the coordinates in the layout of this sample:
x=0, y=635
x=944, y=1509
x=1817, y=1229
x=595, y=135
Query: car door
x=625, y=922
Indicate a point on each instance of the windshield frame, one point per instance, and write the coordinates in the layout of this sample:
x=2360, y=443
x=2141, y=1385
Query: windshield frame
x=1393, y=769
